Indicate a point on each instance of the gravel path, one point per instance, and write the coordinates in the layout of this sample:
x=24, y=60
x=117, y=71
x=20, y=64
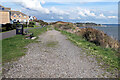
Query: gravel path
x=55, y=57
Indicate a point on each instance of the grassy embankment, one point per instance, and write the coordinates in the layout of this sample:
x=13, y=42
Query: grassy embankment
x=107, y=56
x=13, y=48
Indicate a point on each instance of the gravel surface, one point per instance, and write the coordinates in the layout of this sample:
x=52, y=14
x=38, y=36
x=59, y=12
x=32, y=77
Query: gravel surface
x=55, y=57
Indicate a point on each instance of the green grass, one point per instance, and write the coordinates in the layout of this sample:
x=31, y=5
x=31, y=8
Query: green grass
x=38, y=31
x=36, y=26
x=31, y=27
x=33, y=22
x=105, y=55
x=13, y=48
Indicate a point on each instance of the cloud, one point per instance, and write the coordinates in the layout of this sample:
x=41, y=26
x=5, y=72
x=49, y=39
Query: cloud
x=35, y=8
x=33, y=5
x=61, y=18
x=86, y=11
x=78, y=18
x=42, y=2
x=101, y=16
x=112, y=17
x=52, y=17
x=62, y=1
x=82, y=14
x=58, y=11
x=72, y=18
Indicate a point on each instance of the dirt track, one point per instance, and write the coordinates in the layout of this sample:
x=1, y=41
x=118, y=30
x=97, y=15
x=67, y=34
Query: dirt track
x=55, y=57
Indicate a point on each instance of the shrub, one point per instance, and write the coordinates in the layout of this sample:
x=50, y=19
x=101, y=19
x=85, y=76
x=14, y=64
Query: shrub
x=64, y=26
x=30, y=25
x=24, y=25
x=14, y=26
x=7, y=27
x=98, y=37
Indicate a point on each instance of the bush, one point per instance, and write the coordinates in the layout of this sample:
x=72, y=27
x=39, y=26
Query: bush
x=24, y=25
x=64, y=26
x=7, y=27
x=13, y=26
x=98, y=37
x=30, y=25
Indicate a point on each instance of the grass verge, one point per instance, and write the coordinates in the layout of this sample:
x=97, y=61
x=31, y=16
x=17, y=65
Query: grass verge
x=107, y=56
x=13, y=48
x=36, y=32
x=31, y=27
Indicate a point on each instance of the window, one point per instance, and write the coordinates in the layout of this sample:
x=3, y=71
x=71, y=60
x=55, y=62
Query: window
x=2, y=8
x=24, y=16
x=14, y=20
x=19, y=16
x=14, y=16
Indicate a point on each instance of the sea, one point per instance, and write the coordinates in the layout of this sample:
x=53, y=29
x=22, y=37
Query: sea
x=112, y=30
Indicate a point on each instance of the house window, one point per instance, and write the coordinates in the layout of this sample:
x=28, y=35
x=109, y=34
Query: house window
x=19, y=16
x=24, y=16
x=14, y=16
x=2, y=8
x=14, y=20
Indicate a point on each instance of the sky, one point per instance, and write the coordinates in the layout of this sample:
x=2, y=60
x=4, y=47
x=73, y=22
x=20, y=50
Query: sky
x=97, y=11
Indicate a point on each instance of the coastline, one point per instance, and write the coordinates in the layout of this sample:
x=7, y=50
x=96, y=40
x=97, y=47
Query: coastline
x=103, y=55
x=112, y=31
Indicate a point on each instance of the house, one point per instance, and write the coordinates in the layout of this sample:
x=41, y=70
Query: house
x=19, y=16
x=31, y=18
x=4, y=8
x=34, y=18
x=9, y=16
x=4, y=15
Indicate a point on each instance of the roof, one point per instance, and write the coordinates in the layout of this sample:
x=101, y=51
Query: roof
x=5, y=8
x=18, y=13
x=12, y=11
x=34, y=16
x=2, y=6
